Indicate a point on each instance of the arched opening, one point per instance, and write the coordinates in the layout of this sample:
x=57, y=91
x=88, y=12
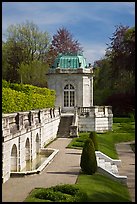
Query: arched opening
x=27, y=150
x=14, y=158
x=37, y=144
x=69, y=96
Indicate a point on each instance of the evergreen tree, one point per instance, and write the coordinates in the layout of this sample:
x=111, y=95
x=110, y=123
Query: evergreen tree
x=88, y=161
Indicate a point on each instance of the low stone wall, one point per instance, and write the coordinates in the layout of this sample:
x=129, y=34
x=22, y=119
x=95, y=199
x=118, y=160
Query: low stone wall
x=95, y=118
x=24, y=134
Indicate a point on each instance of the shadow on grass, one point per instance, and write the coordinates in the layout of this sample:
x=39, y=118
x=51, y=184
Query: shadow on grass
x=106, y=197
x=100, y=188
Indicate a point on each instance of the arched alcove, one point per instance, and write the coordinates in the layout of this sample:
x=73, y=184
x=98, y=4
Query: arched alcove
x=27, y=150
x=37, y=144
x=13, y=158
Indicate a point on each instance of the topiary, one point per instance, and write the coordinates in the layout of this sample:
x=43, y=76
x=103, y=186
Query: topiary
x=93, y=136
x=88, y=161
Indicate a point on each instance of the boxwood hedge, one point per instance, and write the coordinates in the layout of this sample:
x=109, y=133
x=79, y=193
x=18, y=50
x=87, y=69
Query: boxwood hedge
x=22, y=97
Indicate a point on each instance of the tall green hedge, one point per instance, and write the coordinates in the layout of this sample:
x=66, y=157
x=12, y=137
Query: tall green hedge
x=88, y=162
x=93, y=136
x=19, y=97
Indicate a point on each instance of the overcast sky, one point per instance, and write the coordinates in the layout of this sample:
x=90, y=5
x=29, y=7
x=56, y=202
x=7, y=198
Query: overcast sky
x=91, y=23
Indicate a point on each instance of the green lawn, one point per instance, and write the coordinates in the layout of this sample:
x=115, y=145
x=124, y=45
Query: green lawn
x=97, y=187
x=100, y=188
x=122, y=132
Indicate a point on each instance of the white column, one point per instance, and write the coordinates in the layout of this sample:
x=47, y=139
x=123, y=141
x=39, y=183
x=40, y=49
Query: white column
x=91, y=84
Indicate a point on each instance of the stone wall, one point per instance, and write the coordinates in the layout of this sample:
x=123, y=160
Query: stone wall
x=95, y=118
x=24, y=134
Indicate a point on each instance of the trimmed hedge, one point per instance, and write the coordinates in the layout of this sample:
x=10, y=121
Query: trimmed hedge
x=60, y=193
x=19, y=97
x=93, y=136
x=88, y=161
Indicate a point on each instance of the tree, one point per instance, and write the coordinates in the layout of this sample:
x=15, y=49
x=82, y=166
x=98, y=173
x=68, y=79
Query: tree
x=88, y=161
x=33, y=73
x=25, y=44
x=103, y=83
x=114, y=81
x=122, y=52
x=93, y=136
x=12, y=56
x=28, y=34
x=63, y=42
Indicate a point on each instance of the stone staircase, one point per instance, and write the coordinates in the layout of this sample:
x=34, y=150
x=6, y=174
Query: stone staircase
x=109, y=167
x=64, y=126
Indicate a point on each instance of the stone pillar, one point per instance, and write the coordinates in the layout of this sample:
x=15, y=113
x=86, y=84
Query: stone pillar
x=73, y=131
x=19, y=121
x=31, y=118
x=91, y=84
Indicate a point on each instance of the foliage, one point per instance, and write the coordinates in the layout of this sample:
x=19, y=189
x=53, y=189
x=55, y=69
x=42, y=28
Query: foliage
x=122, y=49
x=13, y=101
x=5, y=84
x=35, y=43
x=122, y=104
x=12, y=55
x=34, y=73
x=25, y=43
x=88, y=161
x=123, y=131
x=63, y=42
x=78, y=142
x=59, y=193
x=93, y=136
x=19, y=97
x=101, y=188
x=123, y=120
x=114, y=80
x=102, y=80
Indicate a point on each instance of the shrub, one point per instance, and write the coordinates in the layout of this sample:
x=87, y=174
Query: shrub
x=66, y=188
x=5, y=84
x=20, y=97
x=93, y=136
x=60, y=193
x=88, y=161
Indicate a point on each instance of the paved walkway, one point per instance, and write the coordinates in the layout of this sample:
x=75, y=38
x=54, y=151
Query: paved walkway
x=127, y=157
x=64, y=169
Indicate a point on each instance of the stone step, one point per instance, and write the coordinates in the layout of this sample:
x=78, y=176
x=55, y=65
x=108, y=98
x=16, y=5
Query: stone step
x=64, y=126
x=108, y=166
x=114, y=169
x=102, y=163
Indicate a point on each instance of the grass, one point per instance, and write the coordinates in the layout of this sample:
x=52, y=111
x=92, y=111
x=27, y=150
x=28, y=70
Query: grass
x=98, y=187
x=123, y=131
x=92, y=188
x=58, y=193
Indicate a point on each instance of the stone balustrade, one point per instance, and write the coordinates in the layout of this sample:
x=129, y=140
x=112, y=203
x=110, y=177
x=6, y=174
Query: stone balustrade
x=14, y=122
x=24, y=134
x=95, y=118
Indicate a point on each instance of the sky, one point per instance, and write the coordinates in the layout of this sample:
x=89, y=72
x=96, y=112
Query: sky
x=91, y=23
